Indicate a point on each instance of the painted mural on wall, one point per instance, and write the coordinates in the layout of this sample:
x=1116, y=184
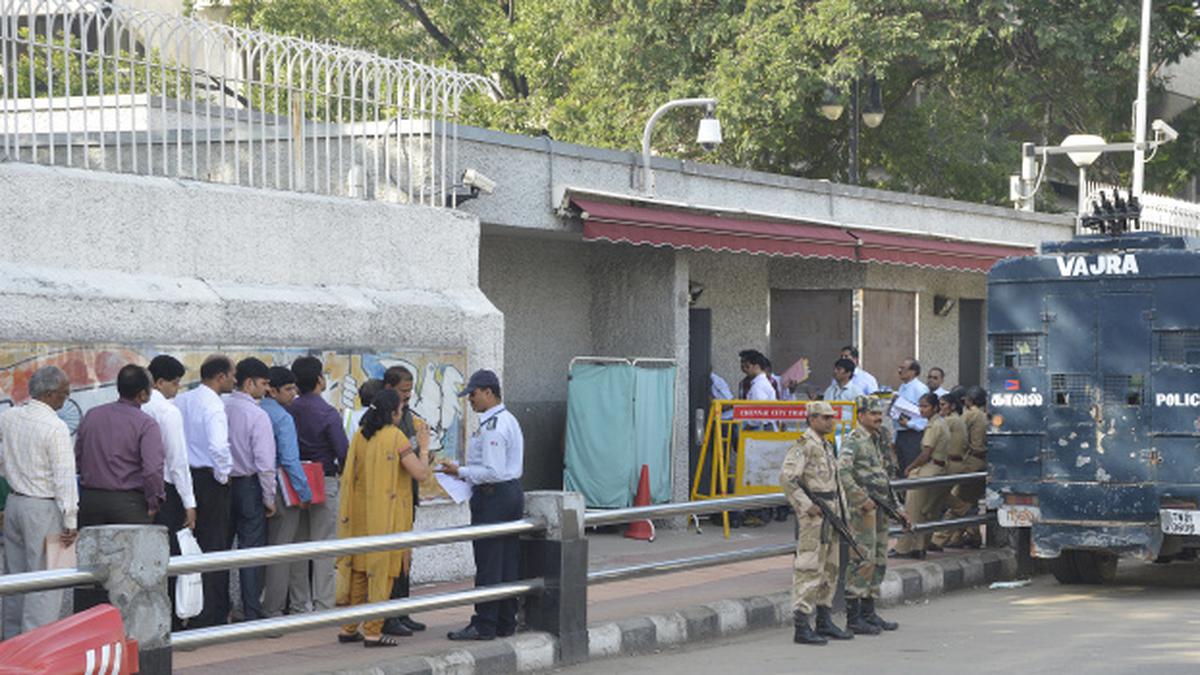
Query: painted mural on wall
x=93, y=369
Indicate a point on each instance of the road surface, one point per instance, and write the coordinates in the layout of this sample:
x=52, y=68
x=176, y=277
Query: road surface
x=1148, y=621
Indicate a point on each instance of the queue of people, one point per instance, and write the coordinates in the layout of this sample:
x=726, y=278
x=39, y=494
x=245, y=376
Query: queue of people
x=231, y=460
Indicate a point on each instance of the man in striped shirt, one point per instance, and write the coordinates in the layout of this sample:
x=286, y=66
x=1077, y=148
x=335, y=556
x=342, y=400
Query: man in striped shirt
x=38, y=461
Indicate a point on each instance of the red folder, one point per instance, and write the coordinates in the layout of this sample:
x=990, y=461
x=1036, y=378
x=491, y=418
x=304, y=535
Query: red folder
x=315, y=473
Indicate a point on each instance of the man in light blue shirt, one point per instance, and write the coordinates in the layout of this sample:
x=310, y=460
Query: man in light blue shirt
x=495, y=457
x=864, y=381
x=281, y=390
x=909, y=429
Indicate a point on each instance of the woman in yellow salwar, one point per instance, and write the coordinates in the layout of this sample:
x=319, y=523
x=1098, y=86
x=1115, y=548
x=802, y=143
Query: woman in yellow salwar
x=376, y=498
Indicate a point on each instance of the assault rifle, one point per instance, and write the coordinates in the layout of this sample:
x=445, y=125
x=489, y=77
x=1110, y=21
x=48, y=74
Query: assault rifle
x=832, y=518
x=885, y=504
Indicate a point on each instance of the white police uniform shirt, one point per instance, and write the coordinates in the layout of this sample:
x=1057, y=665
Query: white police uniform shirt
x=496, y=451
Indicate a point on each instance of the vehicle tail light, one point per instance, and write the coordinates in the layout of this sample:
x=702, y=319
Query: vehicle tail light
x=1023, y=500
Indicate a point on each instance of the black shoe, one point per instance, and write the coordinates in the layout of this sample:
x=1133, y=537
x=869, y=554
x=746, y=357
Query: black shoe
x=411, y=624
x=506, y=632
x=934, y=547
x=469, y=633
x=804, y=633
x=868, y=611
x=394, y=626
x=856, y=622
x=826, y=626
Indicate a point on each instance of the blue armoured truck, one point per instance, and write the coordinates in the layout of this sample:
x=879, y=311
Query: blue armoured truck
x=1094, y=385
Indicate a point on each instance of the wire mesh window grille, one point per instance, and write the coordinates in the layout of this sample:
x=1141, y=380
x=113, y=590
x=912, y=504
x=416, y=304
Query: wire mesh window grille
x=105, y=86
x=1178, y=347
x=1123, y=389
x=1018, y=350
x=1070, y=389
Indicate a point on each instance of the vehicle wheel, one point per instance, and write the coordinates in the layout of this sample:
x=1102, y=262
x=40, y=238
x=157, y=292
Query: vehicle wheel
x=1095, y=567
x=1063, y=568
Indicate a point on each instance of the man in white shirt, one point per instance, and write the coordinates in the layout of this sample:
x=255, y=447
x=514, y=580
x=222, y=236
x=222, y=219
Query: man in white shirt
x=179, y=509
x=936, y=380
x=865, y=381
x=495, y=459
x=909, y=429
x=206, y=430
x=38, y=460
x=843, y=387
x=761, y=388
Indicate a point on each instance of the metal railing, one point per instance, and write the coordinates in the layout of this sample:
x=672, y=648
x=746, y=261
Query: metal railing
x=1159, y=212
x=105, y=86
x=707, y=506
x=223, y=560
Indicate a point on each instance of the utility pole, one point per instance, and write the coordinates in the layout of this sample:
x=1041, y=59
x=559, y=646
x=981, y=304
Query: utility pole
x=1139, y=111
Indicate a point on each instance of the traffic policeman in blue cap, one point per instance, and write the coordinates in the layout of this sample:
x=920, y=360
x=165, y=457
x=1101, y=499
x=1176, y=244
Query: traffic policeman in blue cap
x=495, y=454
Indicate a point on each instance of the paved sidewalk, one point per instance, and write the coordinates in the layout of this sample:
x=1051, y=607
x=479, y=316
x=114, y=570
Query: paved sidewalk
x=318, y=651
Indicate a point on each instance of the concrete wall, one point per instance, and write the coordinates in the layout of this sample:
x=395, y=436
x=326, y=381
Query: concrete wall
x=640, y=310
x=96, y=257
x=737, y=290
x=544, y=289
x=532, y=174
x=562, y=299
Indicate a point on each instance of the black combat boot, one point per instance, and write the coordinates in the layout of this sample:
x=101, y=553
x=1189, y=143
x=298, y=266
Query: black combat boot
x=856, y=620
x=804, y=633
x=826, y=626
x=868, y=613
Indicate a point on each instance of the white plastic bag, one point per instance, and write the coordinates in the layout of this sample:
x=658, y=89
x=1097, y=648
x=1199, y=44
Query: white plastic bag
x=189, y=592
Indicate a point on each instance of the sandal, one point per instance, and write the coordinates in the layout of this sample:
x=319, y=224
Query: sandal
x=383, y=641
x=353, y=637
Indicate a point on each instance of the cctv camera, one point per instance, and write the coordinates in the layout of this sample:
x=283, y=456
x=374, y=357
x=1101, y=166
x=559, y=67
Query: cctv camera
x=474, y=179
x=1160, y=127
x=709, y=135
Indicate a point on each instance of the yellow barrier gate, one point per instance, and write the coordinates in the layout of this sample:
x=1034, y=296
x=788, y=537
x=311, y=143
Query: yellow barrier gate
x=760, y=451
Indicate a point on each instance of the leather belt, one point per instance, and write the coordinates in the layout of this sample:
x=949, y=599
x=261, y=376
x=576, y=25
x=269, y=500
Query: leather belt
x=956, y=459
x=938, y=462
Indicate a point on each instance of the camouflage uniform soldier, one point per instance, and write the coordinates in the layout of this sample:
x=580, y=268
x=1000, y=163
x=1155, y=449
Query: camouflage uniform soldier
x=865, y=465
x=811, y=462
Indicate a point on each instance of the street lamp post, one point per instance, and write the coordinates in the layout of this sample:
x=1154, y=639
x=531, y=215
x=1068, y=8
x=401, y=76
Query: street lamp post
x=708, y=136
x=871, y=115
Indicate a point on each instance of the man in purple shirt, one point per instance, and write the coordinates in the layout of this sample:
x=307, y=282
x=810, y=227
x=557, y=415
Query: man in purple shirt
x=252, y=447
x=119, y=454
x=322, y=439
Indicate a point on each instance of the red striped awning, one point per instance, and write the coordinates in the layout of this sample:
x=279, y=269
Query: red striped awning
x=903, y=249
x=707, y=230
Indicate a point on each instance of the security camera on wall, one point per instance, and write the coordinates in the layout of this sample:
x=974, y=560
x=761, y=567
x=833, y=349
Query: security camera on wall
x=474, y=179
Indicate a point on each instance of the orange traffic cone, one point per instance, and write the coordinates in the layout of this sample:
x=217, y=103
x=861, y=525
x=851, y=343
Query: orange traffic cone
x=642, y=529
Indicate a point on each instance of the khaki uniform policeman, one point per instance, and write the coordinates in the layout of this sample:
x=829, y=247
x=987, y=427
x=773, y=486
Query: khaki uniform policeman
x=926, y=504
x=811, y=461
x=965, y=496
x=865, y=465
x=955, y=463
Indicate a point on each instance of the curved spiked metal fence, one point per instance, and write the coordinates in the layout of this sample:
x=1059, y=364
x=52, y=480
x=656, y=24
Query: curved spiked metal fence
x=99, y=86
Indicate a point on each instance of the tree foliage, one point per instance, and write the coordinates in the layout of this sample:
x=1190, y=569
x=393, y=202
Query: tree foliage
x=964, y=81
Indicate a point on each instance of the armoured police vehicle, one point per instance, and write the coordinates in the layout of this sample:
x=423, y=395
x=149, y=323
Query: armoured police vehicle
x=1094, y=384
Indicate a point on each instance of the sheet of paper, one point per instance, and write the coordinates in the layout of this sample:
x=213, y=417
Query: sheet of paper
x=458, y=489
x=902, y=406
